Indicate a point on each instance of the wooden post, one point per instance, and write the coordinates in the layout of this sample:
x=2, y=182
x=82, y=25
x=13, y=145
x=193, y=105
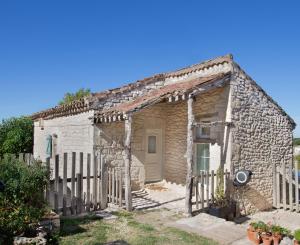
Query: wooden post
x=56, y=173
x=284, y=186
x=88, y=184
x=274, y=186
x=95, y=180
x=296, y=187
x=278, y=185
x=48, y=185
x=212, y=191
x=104, y=180
x=291, y=185
x=65, y=187
x=73, y=174
x=127, y=161
x=189, y=158
x=79, y=194
x=81, y=179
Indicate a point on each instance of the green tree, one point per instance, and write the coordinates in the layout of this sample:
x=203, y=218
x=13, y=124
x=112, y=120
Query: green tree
x=296, y=141
x=16, y=135
x=69, y=97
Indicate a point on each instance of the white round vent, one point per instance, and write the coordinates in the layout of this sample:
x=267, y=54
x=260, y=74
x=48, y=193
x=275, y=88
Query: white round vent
x=242, y=177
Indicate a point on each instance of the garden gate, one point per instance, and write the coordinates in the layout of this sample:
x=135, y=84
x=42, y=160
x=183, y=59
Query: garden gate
x=286, y=187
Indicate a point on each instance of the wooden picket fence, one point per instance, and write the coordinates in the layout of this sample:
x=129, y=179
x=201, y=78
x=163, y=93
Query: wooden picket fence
x=24, y=157
x=204, y=187
x=286, y=187
x=92, y=187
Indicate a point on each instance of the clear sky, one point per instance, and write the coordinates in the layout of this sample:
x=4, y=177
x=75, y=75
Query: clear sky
x=48, y=48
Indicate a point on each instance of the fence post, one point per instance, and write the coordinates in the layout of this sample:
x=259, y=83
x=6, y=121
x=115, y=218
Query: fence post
x=104, y=183
x=278, y=185
x=291, y=185
x=65, y=187
x=48, y=186
x=212, y=186
x=274, y=185
x=78, y=193
x=95, y=181
x=284, y=186
x=297, y=187
x=73, y=181
x=88, y=184
x=121, y=189
x=81, y=180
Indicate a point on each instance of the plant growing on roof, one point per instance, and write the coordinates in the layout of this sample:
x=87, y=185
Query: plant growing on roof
x=70, y=97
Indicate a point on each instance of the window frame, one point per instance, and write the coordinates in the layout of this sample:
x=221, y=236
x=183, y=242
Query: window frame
x=196, y=170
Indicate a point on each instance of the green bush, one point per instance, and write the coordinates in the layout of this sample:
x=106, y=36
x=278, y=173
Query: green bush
x=16, y=135
x=297, y=235
x=22, y=202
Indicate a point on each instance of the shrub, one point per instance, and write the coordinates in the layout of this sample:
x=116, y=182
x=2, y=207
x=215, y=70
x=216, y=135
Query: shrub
x=297, y=235
x=22, y=202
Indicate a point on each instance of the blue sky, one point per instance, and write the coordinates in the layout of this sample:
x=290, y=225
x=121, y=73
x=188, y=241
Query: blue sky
x=48, y=48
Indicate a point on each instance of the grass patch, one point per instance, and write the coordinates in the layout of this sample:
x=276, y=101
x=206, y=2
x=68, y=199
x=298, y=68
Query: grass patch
x=126, y=229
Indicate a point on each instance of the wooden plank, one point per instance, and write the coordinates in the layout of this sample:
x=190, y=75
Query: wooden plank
x=113, y=185
x=196, y=179
x=65, y=169
x=109, y=185
x=56, y=202
x=21, y=157
x=73, y=172
x=104, y=180
x=202, y=190
x=95, y=173
x=120, y=188
x=81, y=179
x=79, y=194
x=212, y=186
x=117, y=186
x=296, y=187
x=48, y=185
x=189, y=158
x=278, y=201
x=290, y=181
x=88, y=184
x=99, y=181
x=127, y=162
x=207, y=187
x=283, y=170
x=274, y=185
x=56, y=173
x=64, y=205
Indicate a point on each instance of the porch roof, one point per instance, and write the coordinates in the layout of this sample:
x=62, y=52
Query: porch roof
x=171, y=92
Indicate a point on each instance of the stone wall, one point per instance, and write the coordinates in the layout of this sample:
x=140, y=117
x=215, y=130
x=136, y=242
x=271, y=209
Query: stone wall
x=261, y=136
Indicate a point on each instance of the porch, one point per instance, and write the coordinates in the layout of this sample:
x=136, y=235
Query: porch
x=168, y=135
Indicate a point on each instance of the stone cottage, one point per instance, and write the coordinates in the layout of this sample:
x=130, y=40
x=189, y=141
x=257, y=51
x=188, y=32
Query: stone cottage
x=176, y=124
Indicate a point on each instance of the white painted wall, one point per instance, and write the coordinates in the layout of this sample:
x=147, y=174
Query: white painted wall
x=74, y=134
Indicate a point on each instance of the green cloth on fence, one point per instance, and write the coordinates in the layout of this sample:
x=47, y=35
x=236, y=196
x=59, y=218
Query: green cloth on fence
x=49, y=146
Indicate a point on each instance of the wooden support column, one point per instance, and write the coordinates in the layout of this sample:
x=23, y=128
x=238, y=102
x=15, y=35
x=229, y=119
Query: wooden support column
x=127, y=161
x=189, y=158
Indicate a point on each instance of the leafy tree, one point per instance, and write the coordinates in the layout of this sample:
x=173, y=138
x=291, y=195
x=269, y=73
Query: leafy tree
x=69, y=97
x=16, y=135
x=296, y=141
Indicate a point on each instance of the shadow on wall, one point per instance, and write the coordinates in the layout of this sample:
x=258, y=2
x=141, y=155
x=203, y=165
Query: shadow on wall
x=250, y=200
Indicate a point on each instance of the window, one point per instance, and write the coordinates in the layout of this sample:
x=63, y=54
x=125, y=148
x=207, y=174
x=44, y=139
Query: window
x=202, y=157
x=151, y=144
x=203, y=132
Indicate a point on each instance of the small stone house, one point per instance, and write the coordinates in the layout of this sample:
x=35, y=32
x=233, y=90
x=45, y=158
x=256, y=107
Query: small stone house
x=175, y=124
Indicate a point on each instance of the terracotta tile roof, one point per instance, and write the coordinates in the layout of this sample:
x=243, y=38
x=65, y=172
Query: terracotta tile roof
x=86, y=104
x=155, y=96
